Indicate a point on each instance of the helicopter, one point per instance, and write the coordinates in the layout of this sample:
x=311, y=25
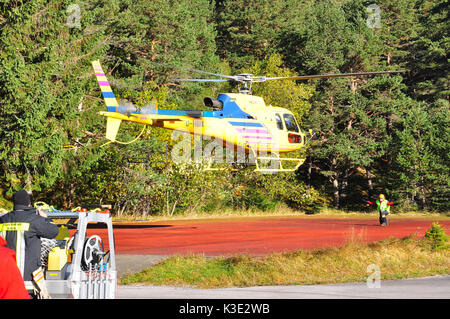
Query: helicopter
x=240, y=122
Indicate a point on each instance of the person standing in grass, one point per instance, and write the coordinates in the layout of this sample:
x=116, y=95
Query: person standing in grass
x=384, y=208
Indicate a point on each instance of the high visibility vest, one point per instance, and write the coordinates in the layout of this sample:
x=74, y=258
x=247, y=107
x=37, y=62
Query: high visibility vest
x=20, y=229
x=383, y=206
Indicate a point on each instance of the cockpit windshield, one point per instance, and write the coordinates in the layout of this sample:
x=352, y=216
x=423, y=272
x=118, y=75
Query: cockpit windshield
x=291, y=124
x=279, y=121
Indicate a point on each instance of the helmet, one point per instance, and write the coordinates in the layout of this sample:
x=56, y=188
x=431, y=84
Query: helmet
x=382, y=196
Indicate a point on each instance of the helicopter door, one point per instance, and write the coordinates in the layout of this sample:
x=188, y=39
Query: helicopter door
x=291, y=126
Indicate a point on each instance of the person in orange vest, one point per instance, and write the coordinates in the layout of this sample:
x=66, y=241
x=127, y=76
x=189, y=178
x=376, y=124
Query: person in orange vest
x=12, y=285
x=384, y=208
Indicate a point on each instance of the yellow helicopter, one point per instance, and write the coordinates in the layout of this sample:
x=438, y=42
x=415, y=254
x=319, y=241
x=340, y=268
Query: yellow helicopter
x=240, y=122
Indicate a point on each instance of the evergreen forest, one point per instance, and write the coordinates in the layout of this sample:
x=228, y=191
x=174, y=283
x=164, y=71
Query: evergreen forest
x=376, y=134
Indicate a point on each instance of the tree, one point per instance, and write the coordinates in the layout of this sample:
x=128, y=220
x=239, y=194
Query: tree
x=159, y=40
x=415, y=34
x=422, y=153
x=44, y=81
x=250, y=30
x=382, y=133
x=428, y=52
x=352, y=115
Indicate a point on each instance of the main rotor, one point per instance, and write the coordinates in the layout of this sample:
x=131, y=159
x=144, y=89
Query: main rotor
x=244, y=81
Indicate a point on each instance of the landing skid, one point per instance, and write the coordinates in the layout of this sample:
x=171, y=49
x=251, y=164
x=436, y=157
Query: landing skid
x=269, y=163
x=275, y=163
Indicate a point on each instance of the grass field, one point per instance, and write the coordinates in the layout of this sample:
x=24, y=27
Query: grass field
x=395, y=258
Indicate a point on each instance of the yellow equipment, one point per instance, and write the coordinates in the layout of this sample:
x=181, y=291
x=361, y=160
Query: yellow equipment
x=57, y=258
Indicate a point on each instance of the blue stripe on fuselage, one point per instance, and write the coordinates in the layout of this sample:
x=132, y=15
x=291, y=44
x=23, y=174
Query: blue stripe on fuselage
x=230, y=108
x=171, y=112
x=253, y=124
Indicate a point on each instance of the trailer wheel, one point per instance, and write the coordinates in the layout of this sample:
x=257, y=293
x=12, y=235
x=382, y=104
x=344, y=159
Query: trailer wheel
x=93, y=252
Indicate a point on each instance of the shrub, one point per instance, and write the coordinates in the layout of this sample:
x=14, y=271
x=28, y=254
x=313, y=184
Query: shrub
x=436, y=238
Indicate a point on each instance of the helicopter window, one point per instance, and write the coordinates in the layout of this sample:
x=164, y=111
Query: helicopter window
x=279, y=121
x=291, y=125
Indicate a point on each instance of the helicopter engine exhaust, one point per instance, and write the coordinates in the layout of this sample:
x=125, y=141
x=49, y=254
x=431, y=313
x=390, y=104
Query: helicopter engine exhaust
x=213, y=103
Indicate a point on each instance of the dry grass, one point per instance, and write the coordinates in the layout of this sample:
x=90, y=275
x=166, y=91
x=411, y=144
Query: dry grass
x=396, y=259
x=280, y=210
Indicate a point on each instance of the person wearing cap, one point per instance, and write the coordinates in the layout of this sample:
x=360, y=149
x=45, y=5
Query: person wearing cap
x=384, y=208
x=23, y=229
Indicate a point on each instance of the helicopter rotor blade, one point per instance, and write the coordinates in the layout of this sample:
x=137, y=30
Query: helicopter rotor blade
x=324, y=76
x=174, y=67
x=203, y=80
x=215, y=74
x=247, y=79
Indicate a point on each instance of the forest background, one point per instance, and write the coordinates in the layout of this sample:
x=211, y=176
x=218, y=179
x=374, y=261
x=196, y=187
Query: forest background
x=388, y=133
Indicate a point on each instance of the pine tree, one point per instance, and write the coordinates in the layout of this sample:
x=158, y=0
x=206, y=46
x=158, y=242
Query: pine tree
x=249, y=30
x=352, y=115
x=429, y=53
x=159, y=40
x=420, y=166
x=44, y=80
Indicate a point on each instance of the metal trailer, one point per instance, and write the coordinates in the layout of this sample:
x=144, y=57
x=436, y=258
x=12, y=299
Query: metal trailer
x=87, y=275
x=98, y=280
